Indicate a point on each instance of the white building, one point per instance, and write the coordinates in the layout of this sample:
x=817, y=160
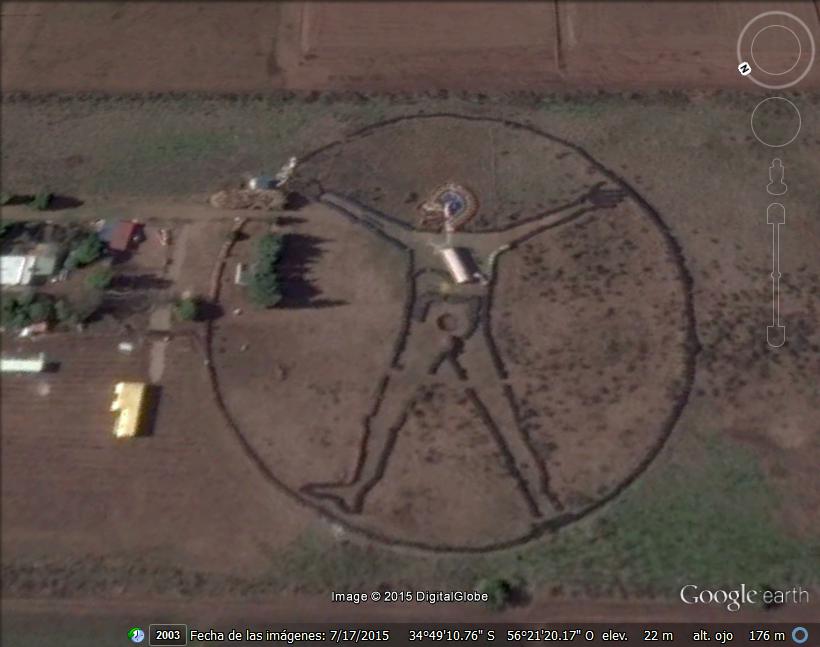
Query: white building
x=35, y=364
x=16, y=270
x=458, y=264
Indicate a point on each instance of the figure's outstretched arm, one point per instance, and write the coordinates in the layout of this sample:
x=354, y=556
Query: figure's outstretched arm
x=601, y=196
x=384, y=225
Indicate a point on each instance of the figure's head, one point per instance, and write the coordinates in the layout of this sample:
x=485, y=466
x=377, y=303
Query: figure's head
x=449, y=207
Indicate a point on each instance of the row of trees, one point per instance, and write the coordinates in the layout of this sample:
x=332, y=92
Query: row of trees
x=18, y=310
x=263, y=285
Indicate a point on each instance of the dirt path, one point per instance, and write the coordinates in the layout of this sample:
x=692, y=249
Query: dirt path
x=190, y=209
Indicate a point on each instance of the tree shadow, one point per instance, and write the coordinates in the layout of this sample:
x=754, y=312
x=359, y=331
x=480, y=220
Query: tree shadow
x=300, y=253
x=129, y=282
x=17, y=200
x=60, y=202
x=120, y=256
x=119, y=307
x=208, y=310
x=150, y=411
x=519, y=596
x=286, y=221
x=296, y=201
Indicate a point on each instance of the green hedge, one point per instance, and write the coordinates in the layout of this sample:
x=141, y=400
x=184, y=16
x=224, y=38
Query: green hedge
x=86, y=251
x=20, y=310
x=263, y=286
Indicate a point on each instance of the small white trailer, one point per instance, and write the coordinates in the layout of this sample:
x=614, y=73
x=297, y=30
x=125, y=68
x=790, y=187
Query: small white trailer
x=459, y=264
x=36, y=364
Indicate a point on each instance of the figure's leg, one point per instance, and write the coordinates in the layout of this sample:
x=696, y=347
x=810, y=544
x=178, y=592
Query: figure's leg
x=494, y=401
x=380, y=430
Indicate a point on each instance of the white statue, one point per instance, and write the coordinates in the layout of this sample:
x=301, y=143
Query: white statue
x=286, y=172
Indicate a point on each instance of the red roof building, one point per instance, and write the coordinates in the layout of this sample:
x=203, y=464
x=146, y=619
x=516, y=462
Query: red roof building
x=122, y=235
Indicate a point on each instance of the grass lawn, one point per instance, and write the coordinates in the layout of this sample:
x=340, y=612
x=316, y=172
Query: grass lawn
x=704, y=513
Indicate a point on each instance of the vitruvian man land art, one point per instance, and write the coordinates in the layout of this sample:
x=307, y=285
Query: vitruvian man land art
x=546, y=326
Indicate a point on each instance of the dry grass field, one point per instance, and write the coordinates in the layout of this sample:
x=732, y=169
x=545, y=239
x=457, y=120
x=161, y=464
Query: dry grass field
x=257, y=47
x=188, y=512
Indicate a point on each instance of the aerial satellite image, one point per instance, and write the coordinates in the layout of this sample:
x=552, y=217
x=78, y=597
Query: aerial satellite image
x=395, y=322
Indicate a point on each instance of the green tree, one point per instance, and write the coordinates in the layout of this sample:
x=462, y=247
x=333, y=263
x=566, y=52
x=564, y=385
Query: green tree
x=100, y=279
x=499, y=590
x=85, y=252
x=41, y=310
x=269, y=248
x=5, y=198
x=188, y=309
x=26, y=298
x=7, y=226
x=42, y=201
x=9, y=311
x=263, y=285
x=64, y=313
x=20, y=310
x=263, y=288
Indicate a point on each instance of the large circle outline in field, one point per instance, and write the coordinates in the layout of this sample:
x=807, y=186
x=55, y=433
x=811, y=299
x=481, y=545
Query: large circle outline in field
x=690, y=349
x=812, y=49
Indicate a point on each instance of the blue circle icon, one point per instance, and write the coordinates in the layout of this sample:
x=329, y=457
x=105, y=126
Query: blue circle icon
x=800, y=635
x=136, y=635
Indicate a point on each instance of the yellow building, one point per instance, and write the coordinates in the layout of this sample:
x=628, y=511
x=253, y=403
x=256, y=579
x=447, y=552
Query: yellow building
x=129, y=402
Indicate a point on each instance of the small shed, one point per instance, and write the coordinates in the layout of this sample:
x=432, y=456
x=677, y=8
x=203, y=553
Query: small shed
x=36, y=364
x=120, y=234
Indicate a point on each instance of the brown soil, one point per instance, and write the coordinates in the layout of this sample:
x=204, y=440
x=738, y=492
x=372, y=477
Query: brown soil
x=447, y=322
x=139, y=47
x=408, y=46
x=247, y=199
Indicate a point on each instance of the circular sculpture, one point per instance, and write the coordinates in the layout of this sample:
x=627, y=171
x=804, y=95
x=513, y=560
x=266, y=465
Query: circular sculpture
x=450, y=415
x=449, y=207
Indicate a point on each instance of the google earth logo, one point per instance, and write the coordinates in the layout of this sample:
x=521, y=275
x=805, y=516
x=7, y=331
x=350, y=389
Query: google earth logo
x=136, y=635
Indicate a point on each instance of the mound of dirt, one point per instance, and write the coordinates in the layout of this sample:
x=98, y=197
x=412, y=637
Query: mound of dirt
x=265, y=200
